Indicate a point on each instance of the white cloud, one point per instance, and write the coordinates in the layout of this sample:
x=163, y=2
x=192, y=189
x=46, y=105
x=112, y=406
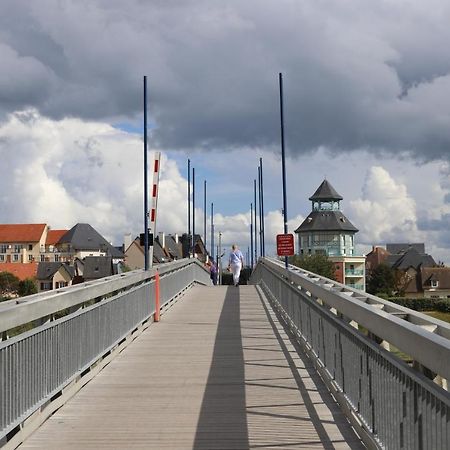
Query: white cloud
x=69, y=171
x=385, y=212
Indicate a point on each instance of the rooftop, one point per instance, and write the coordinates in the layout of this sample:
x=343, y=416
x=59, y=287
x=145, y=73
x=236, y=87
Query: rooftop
x=21, y=233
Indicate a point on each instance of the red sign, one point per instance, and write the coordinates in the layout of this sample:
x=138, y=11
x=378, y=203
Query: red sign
x=285, y=244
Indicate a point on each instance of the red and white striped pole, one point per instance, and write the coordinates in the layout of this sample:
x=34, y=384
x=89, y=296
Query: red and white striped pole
x=154, y=203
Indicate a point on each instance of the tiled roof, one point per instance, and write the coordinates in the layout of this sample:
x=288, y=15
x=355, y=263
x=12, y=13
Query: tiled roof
x=96, y=267
x=402, y=248
x=439, y=274
x=83, y=236
x=21, y=233
x=46, y=270
x=326, y=221
x=325, y=192
x=20, y=270
x=411, y=258
x=53, y=236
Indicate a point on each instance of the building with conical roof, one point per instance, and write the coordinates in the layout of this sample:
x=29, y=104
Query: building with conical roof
x=327, y=231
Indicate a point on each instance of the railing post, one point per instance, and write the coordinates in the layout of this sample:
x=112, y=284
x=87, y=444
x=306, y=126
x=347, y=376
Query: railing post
x=157, y=300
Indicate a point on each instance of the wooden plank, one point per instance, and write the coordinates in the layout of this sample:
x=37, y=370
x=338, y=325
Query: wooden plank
x=217, y=372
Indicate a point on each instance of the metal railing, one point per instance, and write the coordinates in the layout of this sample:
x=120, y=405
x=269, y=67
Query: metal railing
x=35, y=366
x=392, y=405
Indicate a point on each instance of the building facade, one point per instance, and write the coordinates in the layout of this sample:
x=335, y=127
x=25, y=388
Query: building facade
x=328, y=232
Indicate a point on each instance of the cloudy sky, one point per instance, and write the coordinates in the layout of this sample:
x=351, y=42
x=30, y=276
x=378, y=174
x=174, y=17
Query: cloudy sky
x=367, y=105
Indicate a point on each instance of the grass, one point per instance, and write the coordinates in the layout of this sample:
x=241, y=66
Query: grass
x=445, y=316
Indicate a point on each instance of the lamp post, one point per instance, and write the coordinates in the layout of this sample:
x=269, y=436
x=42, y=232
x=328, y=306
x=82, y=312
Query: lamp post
x=204, y=215
x=262, y=210
x=189, y=201
x=283, y=162
x=145, y=179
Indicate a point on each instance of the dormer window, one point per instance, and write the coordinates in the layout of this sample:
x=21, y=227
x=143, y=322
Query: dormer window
x=434, y=283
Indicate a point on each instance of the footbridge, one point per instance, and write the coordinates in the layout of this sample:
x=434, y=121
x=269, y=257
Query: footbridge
x=292, y=360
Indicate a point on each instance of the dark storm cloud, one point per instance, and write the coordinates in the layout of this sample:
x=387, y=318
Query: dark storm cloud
x=357, y=74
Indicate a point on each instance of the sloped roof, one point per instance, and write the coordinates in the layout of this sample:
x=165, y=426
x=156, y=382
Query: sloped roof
x=325, y=192
x=97, y=267
x=326, y=221
x=53, y=236
x=411, y=258
x=402, y=248
x=46, y=270
x=21, y=270
x=83, y=236
x=440, y=274
x=175, y=249
x=21, y=233
x=159, y=255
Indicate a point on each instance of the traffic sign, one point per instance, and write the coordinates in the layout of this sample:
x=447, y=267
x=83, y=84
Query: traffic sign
x=285, y=244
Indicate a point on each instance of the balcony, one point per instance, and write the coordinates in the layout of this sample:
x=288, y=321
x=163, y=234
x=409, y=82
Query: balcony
x=356, y=286
x=354, y=272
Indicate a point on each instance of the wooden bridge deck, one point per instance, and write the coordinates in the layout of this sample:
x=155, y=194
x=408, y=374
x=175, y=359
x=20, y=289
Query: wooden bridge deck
x=218, y=372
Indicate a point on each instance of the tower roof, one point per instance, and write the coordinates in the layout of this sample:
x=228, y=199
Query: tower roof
x=325, y=192
x=326, y=221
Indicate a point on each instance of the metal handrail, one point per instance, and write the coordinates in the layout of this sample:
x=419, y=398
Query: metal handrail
x=20, y=311
x=37, y=365
x=391, y=404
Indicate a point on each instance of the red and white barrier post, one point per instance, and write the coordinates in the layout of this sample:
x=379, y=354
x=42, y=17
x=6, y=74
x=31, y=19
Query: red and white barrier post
x=154, y=203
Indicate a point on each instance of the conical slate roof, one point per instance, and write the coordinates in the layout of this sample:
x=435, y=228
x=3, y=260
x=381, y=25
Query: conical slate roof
x=325, y=192
x=326, y=221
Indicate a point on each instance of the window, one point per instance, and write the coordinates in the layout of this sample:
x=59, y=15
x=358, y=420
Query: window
x=434, y=283
x=15, y=257
x=17, y=248
x=30, y=247
x=46, y=286
x=60, y=284
x=3, y=248
x=30, y=258
x=2, y=258
x=56, y=258
x=326, y=239
x=42, y=258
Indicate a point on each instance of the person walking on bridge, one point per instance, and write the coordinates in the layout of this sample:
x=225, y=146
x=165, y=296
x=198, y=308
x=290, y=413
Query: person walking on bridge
x=235, y=263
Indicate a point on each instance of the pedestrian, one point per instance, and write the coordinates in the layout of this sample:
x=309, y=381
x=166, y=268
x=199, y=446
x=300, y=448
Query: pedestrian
x=235, y=263
x=213, y=272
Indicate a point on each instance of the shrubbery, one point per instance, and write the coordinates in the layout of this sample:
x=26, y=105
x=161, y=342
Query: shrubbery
x=422, y=304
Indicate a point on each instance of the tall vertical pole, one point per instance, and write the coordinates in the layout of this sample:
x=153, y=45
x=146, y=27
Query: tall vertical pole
x=256, y=226
x=193, y=211
x=262, y=210
x=204, y=215
x=219, y=256
x=251, y=234
x=283, y=162
x=189, y=200
x=260, y=214
x=145, y=179
x=212, y=231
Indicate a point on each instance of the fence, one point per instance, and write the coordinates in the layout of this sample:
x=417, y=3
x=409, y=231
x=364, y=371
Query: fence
x=392, y=405
x=37, y=366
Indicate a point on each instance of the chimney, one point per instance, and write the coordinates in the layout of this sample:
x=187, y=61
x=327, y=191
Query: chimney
x=126, y=241
x=175, y=236
x=162, y=239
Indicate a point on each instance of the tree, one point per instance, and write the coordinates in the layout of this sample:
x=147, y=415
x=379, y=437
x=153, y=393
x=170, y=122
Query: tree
x=27, y=287
x=9, y=284
x=318, y=264
x=382, y=281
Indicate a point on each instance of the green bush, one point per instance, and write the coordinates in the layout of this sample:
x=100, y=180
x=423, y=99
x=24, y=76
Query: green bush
x=423, y=304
